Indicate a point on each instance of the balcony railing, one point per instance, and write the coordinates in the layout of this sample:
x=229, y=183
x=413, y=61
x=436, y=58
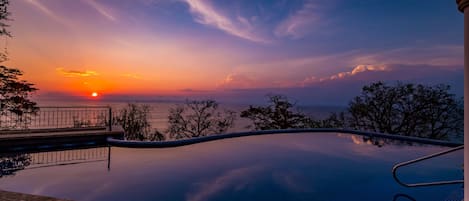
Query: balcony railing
x=10, y=163
x=58, y=118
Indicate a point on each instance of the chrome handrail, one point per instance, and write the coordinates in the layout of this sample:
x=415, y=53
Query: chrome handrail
x=399, y=165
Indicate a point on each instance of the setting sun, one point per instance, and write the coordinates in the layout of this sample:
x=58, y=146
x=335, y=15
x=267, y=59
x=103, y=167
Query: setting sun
x=94, y=94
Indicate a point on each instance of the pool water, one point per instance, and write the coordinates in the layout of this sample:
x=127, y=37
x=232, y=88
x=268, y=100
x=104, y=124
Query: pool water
x=307, y=166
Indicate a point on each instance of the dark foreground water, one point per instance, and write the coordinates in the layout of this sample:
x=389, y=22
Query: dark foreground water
x=315, y=166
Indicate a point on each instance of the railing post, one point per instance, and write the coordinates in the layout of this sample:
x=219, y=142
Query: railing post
x=110, y=119
x=109, y=158
x=57, y=117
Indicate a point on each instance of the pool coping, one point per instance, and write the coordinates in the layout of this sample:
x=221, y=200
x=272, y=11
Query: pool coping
x=177, y=143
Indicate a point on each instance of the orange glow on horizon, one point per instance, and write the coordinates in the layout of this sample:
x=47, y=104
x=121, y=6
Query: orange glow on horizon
x=94, y=94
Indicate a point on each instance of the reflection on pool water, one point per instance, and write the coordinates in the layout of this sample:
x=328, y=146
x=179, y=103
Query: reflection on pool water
x=308, y=166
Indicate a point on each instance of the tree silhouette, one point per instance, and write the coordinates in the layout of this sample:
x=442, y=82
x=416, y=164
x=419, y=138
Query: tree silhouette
x=15, y=105
x=334, y=120
x=4, y=14
x=407, y=109
x=279, y=114
x=198, y=118
x=134, y=120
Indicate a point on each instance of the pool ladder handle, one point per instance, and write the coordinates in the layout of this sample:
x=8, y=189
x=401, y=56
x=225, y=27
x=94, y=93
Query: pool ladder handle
x=399, y=165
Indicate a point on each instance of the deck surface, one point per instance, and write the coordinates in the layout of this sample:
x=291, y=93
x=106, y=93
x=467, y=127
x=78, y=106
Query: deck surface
x=13, y=196
x=54, y=138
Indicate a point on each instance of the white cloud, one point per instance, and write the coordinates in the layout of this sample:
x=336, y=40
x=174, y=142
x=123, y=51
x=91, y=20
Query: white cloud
x=61, y=18
x=101, y=9
x=360, y=69
x=341, y=75
x=304, y=71
x=238, y=81
x=205, y=13
x=299, y=23
x=45, y=10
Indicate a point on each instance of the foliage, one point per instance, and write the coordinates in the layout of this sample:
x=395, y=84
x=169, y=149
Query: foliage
x=4, y=14
x=407, y=109
x=9, y=164
x=14, y=97
x=134, y=119
x=156, y=136
x=278, y=114
x=198, y=118
x=334, y=121
x=80, y=123
x=15, y=106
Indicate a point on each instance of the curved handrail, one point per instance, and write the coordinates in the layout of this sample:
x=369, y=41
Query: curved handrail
x=177, y=143
x=399, y=165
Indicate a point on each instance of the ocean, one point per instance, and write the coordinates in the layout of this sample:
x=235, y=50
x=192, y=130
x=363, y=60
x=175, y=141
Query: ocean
x=159, y=111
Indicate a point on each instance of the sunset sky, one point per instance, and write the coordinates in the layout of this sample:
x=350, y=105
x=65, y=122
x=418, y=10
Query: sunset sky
x=318, y=51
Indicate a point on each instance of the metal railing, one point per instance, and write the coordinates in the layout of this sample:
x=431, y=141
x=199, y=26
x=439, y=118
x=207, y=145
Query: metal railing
x=58, y=118
x=399, y=165
x=66, y=157
x=13, y=162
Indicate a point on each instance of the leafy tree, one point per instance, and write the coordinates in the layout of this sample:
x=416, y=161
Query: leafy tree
x=134, y=119
x=335, y=120
x=279, y=114
x=407, y=109
x=11, y=163
x=198, y=118
x=15, y=106
x=4, y=14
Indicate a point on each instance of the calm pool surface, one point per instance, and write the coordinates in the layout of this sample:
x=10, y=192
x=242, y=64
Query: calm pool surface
x=311, y=166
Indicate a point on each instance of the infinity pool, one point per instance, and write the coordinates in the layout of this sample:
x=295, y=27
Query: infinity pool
x=308, y=166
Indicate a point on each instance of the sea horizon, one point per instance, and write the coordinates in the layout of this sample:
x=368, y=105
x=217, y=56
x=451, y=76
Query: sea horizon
x=159, y=109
